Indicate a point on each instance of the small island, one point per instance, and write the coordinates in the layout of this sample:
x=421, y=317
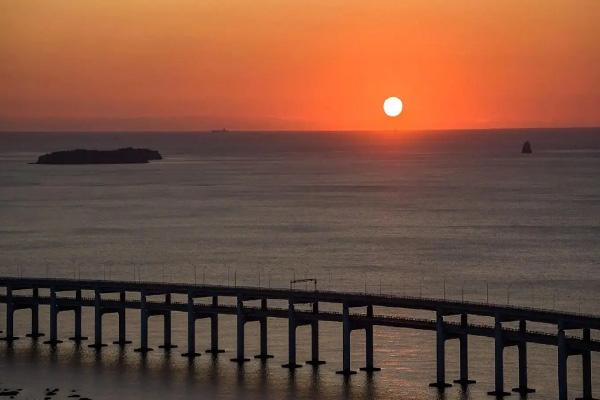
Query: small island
x=127, y=155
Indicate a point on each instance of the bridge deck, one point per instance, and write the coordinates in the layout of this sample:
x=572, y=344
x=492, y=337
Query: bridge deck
x=380, y=320
x=506, y=312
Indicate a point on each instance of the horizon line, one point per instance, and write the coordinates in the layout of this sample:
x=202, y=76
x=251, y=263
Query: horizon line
x=228, y=131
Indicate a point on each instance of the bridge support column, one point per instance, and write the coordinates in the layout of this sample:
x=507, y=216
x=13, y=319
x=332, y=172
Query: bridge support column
x=144, y=317
x=586, y=368
x=10, y=315
x=35, y=320
x=97, y=321
x=264, y=353
x=346, y=331
x=191, y=336
x=369, y=343
x=53, y=319
x=77, y=336
x=241, y=321
x=292, y=325
x=122, y=321
x=314, y=336
x=523, y=389
x=214, y=330
x=563, y=354
x=167, y=326
x=440, y=345
x=498, y=361
x=464, y=353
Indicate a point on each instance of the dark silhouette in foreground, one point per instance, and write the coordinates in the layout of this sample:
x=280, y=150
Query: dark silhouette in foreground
x=526, y=148
x=127, y=155
x=564, y=323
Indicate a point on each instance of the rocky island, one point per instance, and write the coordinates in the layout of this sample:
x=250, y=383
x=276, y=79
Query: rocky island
x=127, y=155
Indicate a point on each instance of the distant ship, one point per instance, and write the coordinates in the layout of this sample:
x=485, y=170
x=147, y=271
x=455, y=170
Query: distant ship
x=526, y=148
x=219, y=131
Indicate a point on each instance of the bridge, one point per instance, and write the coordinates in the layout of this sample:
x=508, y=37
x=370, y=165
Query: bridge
x=68, y=295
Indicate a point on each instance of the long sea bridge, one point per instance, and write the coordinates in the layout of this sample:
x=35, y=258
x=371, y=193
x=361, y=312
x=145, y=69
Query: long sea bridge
x=252, y=304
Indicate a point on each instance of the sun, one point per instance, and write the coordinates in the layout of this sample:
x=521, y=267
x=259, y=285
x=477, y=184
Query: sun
x=392, y=106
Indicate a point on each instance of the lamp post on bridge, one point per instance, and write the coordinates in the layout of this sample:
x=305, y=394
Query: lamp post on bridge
x=444, y=288
x=294, y=281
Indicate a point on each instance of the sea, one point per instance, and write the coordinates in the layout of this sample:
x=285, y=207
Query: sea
x=443, y=214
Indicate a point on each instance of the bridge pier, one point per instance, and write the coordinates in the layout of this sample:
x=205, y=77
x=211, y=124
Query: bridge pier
x=564, y=351
x=464, y=380
x=346, y=331
x=167, y=344
x=99, y=311
x=53, y=319
x=586, y=368
x=191, y=336
x=144, y=317
x=440, y=346
x=10, y=315
x=369, y=367
x=563, y=354
x=314, y=336
x=122, y=321
x=77, y=337
x=35, y=320
x=293, y=324
x=499, y=344
x=97, y=321
x=56, y=308
x=264, y=353
x=523, y=389
x=241, y=322
x=214, y=329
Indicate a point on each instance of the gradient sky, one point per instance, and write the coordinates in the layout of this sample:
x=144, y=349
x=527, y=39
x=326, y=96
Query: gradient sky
x=310, y=64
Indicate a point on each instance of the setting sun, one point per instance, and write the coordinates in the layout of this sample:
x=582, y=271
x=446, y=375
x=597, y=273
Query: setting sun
x=392, y=106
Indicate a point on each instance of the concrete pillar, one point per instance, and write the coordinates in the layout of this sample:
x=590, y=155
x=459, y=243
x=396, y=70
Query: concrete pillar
x=35, y=321
x=586, y=367
x=464, y=353
x=167, y=326
x=214, y=329
x=314, y=335
x=191, y=336
x=53, y=319
x=77, y=336
x=144, y=316
x=122, y=321
x=369, y=367
x=563, y=354
x=498, y=360
x=10, y=314
x=292, y=364
x=264, y=353
x=97, y=321
x=241, y=321
x=440, y=345
x=346, y=331
x=522, y=348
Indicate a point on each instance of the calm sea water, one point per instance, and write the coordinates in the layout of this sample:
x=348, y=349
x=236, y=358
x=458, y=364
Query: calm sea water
x=455, y=214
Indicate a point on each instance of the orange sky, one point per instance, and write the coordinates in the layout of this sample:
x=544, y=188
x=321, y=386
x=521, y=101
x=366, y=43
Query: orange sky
x=308, y=64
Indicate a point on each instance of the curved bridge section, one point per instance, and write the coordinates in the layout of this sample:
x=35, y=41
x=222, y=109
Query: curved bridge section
x=68, y=295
